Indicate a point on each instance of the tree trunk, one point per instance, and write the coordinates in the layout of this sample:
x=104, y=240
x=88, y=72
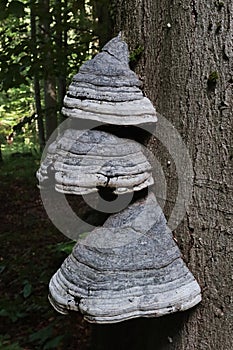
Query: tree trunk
x=36, y=79
x=103, y=28
x=48, y=69
x=186, y=68
x=1, y=159
x=61, y=51
x=50, y=104
x=39, y=112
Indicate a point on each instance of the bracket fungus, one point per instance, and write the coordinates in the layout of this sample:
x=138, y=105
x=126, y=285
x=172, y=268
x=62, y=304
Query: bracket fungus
x=81, y=164
x=107, y=90
x=131, y=266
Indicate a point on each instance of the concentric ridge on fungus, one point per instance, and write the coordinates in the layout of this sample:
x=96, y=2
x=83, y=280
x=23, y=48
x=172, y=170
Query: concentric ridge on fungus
x=83, y=161
x=107, y=90
x=130, y=267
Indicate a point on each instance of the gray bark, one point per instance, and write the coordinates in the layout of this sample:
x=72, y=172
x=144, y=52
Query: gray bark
x=50, y=98
x=61, y=52
x=186, y=68
x=36, y=78
x=104, y=25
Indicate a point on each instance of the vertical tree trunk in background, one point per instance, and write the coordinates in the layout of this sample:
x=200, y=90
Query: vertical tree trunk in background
x=103, y=28
x=186, y=69
x=50, y=104
x=61, y=51
x=39, y=112
x=49, y=74
x=36, y=79
x=83, y=26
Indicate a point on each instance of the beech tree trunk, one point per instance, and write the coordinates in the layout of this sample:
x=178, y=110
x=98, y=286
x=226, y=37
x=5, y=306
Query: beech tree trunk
x=104, y=25
x=186, y=68
x=36, y=78
x=50, y=98
x=61, y=52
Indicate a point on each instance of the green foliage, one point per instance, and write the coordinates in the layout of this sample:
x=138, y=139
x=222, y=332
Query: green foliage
x=64, y=247
x=37, y=41
x=6, y=345
x=16, y=8
x=14, y=44
x=27, y=289
x=15, y=105
x=45, y=339
x=13, y=8
x=53, y=343
x=31, y=250
x=213, y=77
x=13, y=311
x=18, y=122
x=212, y=80
x=20, y=166
x=17, y=65
x=2, y=268
x=136, y=54
x=219, y=5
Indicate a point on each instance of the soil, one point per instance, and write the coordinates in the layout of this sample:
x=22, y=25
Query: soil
x=30, y=252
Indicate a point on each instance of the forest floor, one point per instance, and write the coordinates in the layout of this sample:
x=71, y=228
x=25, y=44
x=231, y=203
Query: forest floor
x=31, y=250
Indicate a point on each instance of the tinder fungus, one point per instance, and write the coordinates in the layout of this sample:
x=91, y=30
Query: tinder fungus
x=131, y=266
x=106, y=90
x=83, y=161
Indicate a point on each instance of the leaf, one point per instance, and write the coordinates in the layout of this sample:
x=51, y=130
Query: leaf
x=3, y=312
x=2, y=267
x=42, y=335
x=5, y=345
x=13, y=315
x=3, y=4
x=25, y=60
x=53, y=343
x=16, y=8
x=3, y=9
x=27, y=290
x=65, y=247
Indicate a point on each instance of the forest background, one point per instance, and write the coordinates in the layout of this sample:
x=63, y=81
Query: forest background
x=182, y=51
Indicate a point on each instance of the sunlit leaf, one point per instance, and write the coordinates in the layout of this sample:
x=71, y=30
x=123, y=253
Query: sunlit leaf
x=65, y=247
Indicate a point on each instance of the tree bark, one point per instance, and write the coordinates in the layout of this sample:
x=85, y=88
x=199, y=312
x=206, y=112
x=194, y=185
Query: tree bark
x=186, y=68
x=50, y=98
x=61, y=52
x=36, y=79
x=50, y=104
x=103, y=28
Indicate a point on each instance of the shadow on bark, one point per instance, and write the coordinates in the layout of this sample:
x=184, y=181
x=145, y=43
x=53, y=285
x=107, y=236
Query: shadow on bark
x=143, y=333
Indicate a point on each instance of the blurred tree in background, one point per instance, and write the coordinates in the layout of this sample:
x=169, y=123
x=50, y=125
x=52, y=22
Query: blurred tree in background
x=42, y=45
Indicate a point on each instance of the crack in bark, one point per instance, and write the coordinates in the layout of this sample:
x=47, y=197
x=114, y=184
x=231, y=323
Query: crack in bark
x=194, y=12
x=191, y=240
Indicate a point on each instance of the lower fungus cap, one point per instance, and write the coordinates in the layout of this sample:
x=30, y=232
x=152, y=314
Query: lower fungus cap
x=130, y=267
